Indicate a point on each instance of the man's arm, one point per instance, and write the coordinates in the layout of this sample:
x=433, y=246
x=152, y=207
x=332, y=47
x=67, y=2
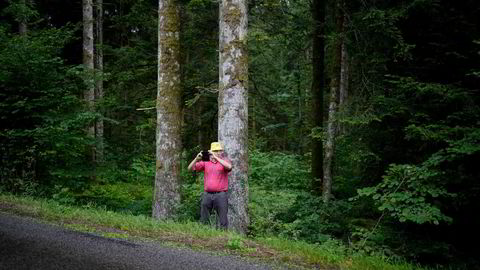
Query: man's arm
x=194, y=161
x=226, y=164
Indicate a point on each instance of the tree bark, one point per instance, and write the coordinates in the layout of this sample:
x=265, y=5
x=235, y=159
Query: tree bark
x=99, y=127
x=332, y=108
x=22, y=25
x=88, y=62
x=343, y=87
x=330, y=144
x=169, y=116
x=318, y=56
x=344, y=74
x=233, y=105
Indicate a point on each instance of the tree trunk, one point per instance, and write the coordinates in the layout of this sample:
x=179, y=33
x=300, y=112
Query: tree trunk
x=99, y=79
x=233, y=105
x=169, y=116
x=301, y=105
x=343, y=87
x=330, y=143
x=22, y=25
x=344, y=73
x=332, y=108
x=318, y=56
x=88, y=63
x=254, y=123
x=201, y=128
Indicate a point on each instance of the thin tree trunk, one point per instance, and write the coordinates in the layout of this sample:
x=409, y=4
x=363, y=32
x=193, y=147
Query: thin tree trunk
x=22, y=25
x=332, y=108
x=88, y=63
x=22, y=28
x=201, y=128
x=343, y=87
x=99, y=128
x=330, y=143
x=318, y=56
x=254, y=123
x=344, y=74
x=169, y=116
x=233, y=105
x=301, y=104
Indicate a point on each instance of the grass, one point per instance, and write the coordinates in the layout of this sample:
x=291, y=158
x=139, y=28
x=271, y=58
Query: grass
x=193, y=235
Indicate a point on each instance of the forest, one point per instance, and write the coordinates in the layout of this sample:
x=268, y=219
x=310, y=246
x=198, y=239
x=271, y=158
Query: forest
x=351, y=122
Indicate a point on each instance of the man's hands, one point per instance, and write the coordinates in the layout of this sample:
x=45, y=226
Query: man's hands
x=213, y=154
x=197, y=158
x=227, y=165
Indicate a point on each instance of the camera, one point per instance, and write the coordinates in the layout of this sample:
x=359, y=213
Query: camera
x=205, y=155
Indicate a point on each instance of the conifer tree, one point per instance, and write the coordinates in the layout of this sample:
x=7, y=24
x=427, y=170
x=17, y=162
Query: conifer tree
x=233, y=105
x=168, y=137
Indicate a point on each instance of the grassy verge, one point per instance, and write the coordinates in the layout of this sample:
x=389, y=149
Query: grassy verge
x=193, y=235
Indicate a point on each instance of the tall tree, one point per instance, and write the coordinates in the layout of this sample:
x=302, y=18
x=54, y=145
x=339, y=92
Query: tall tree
x=88, y=62
x=233, y=105
x=337, y=81
x=169, y=116
x=318, y=56
x=22, y=12
x=99, y=77
x=22, y=27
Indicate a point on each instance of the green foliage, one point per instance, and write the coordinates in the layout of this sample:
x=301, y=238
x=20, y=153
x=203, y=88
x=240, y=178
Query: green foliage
x=408, y=193
x=191, y=198
x=431, y=152
x=21, y=11
x=235, y=243
x=265, y=208
x=123, y=197
x=277, y=170
x=279, y=75
x=311, y=220
x=41, y=136
x=143, y=170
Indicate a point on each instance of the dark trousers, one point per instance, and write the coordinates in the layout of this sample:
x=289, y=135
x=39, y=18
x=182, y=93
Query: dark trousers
x=217, y=201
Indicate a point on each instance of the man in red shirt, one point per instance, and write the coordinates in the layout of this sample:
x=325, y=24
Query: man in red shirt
x=215, y=183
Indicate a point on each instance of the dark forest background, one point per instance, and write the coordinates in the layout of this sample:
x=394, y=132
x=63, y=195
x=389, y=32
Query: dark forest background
x=405, y=167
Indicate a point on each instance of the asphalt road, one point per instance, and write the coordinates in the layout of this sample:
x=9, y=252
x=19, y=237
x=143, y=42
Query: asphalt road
x=28, y=244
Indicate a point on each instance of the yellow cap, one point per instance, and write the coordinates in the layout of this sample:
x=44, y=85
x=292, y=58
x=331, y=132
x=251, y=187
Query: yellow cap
x=216, y=146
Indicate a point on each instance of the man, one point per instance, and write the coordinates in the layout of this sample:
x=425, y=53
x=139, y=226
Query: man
x=215, y=183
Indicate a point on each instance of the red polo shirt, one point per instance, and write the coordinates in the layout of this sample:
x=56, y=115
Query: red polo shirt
x=215, y=176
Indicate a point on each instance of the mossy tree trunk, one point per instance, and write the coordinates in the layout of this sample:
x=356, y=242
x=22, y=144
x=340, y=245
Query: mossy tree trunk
x=318, y=56
x=233, y=105
x=88, y=62
x=336, y=83
x=168, y=137
x=99, y=127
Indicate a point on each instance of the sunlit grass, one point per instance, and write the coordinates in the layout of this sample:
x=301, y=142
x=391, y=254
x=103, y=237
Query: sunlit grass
x=194, y=235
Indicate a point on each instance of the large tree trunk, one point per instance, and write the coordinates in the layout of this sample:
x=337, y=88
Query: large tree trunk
x=233, y=105
x=168, y=137
x=318, y=56
x=88, y=62
x=99, y=78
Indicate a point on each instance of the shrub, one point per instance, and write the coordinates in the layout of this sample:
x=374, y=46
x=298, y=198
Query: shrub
x=278, y=170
